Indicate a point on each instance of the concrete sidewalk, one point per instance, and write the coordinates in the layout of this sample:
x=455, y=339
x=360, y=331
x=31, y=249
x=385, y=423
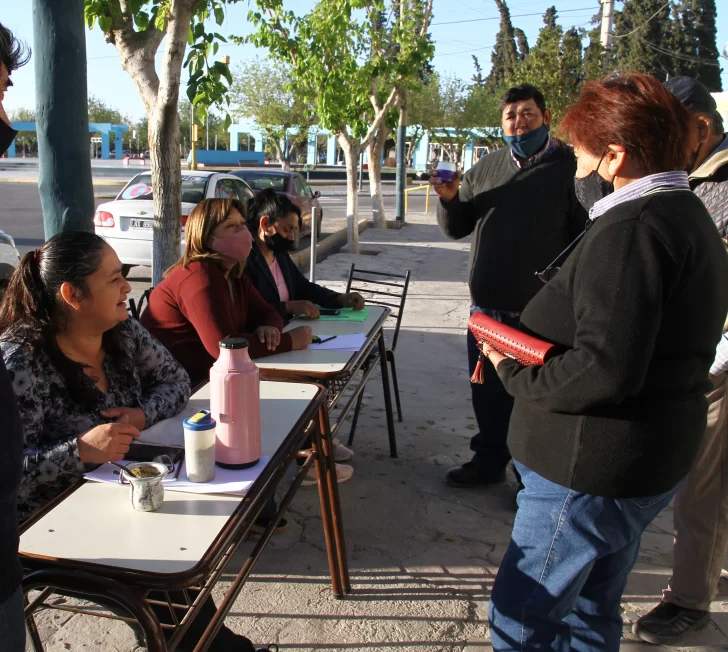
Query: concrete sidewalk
x=423, y=556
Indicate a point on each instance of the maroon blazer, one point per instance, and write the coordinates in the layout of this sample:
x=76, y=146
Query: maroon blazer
x=194, y=308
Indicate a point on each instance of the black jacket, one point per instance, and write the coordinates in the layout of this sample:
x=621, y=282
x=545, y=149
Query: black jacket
x=299, y=287
x=11, y=460
x=11, y=470
x=521, y=219
x=7, y=135
x=638, y=309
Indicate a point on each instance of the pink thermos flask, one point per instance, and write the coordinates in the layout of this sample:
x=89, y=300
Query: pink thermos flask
x=235, y=405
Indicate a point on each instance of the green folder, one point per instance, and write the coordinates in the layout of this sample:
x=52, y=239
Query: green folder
x=347, y=314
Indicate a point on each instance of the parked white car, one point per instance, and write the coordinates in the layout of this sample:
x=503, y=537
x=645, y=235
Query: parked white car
x=9, y=257
x=126, y=223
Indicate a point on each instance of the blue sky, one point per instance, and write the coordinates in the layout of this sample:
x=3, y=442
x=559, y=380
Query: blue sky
x=460, y=29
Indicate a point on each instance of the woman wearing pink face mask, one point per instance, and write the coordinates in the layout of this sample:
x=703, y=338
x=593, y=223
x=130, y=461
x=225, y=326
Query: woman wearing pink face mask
x=206, y=297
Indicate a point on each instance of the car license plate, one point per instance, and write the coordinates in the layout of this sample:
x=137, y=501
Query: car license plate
x=142, y=224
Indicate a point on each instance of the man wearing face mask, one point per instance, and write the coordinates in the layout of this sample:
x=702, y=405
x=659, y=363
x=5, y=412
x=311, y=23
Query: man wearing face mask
x=273, y=220
x=701, y=505
x=519, y=204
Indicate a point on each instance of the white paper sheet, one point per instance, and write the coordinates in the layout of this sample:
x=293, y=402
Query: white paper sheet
x=227, y=481
x=352, y=342
x=170, y=432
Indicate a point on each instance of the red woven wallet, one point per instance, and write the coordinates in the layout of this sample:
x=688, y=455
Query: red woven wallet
x=509, y=341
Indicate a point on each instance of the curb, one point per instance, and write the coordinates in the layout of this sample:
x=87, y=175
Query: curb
x=95, y=182
x=327, y=247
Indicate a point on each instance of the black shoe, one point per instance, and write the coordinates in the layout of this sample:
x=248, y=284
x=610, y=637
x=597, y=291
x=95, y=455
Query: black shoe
x=667, y=622
x=468, y=475
x=261, y=524
x=270, y=648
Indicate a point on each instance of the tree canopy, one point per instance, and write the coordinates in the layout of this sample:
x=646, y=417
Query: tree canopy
x=263, y=92
x=669, y=39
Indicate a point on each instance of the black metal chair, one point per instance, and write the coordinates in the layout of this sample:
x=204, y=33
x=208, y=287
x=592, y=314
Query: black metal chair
x=136, y=308
x=381, y=289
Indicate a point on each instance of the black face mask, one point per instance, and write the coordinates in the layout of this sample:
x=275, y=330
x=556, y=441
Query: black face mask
x=591, y=188
x=278, y=243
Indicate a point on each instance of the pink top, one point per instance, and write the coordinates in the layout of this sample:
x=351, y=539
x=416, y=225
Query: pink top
x=275, y=269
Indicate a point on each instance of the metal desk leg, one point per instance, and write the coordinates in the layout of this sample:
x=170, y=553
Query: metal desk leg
x=387, y=395
x=323, y=466
x=32, y=628
x=333, y=501
x=107, y=591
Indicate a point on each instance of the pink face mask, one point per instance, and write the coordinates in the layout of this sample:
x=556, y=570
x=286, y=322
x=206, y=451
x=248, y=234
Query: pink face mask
x=236, y=246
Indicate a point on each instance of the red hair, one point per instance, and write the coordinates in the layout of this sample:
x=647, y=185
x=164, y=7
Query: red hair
x=633, y=110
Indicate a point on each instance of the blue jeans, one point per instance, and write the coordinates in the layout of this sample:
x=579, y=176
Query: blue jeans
x=561, y=580
x=12, y=623
x=492, y=406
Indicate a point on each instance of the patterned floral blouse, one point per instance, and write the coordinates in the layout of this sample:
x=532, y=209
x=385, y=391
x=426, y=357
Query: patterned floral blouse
x=52, y=420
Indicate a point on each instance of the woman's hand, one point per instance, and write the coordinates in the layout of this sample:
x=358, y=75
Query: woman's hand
x=301, y=337
x=107, y=443
x=305, y=308
x=269, y=335
x=352, y=300
x=494, y=356
x=135, y=416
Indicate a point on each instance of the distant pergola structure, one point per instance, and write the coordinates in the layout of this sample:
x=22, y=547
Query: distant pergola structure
x=423, y=152
x=104, y=128
x=421, y=155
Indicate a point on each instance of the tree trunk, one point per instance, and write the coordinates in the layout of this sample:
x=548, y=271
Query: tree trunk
x=351, y=159
x=164, y=144
x=65, y=185
x=280, y=155
x=166, y=171
x=374, y=149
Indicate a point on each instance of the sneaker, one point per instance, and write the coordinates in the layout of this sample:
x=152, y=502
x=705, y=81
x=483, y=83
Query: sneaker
x=667, y=622
x=468, y=475
x=261, y=524
x=343, y=473
x=341, y=452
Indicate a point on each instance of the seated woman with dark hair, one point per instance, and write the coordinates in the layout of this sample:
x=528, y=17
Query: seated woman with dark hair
x=206, y=297
x=87, y=378
x=273, y=220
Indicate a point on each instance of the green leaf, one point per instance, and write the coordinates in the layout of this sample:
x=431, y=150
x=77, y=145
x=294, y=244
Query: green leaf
x=219, y=14
x=141, y=20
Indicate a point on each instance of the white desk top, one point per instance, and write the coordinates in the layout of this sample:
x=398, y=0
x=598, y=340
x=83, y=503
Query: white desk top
x=321, y=362
x=97, y=524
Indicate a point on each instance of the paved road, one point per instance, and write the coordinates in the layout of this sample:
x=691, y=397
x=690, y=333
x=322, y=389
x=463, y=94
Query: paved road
x=21, y=215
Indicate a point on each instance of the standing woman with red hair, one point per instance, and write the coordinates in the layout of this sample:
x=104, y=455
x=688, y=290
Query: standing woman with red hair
x=603, y=433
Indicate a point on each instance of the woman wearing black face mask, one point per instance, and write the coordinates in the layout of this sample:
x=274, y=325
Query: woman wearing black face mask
x=273, y=220
x=604, y=433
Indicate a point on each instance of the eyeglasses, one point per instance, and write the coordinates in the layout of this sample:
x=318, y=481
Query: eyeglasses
x=548, y=272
